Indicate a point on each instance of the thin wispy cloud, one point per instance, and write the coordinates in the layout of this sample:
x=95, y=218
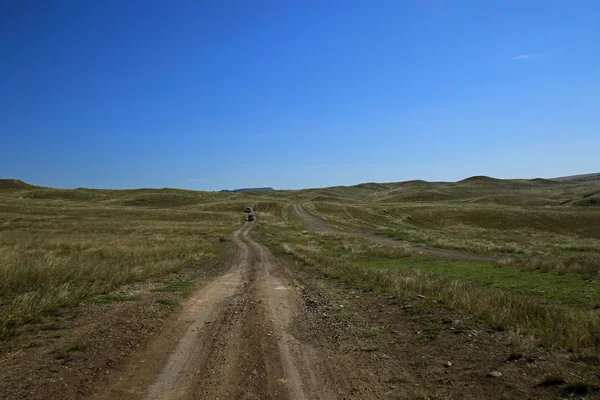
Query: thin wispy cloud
x=419, y=123
x=522, y=57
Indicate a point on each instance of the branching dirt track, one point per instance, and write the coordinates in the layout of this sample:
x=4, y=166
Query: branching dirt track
x=232, y=340
x=316, y=225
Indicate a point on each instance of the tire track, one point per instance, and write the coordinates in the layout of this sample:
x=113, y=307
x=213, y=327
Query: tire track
x=175, y=376
x=168, y=365
x=300, y=361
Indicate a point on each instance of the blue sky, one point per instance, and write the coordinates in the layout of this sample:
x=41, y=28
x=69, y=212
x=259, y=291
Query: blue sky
x=292, y=94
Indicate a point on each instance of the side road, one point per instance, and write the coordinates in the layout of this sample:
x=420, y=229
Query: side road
x=315, y=224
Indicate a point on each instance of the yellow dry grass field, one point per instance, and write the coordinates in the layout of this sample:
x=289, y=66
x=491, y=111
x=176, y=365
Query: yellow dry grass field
x=59, y=247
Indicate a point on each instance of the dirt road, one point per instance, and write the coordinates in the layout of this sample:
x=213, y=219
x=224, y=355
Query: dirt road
x=310, y=221
x=317, y=225
x=232, y=340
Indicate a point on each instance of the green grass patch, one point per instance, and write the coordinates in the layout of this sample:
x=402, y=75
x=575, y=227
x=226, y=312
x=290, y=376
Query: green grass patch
x=182, y=288
x=402, y=235
x=168, y=302
x=567, y=289
x=52, y=326
x=559, y=289
x=375, y=331
x=65, y=351
x=107, y=299
x=396, y=235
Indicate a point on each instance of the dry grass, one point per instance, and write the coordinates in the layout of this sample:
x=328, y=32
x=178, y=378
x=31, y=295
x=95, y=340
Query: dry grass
x=57, y=249
x=546, y=290
x=509, y=299
x=551, y=324
x=553, y=239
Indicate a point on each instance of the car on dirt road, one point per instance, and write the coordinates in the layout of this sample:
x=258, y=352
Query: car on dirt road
x=250, y=217
x=248, y=209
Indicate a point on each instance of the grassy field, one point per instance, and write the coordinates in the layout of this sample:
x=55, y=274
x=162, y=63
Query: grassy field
x=59, y=247
x=561, y=311
x=547, y=284
x=544, y=232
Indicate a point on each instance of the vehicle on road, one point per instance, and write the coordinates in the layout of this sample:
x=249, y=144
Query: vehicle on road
x=250, y=217
x=248, y=209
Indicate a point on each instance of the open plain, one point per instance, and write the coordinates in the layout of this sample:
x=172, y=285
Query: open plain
x=482, y=288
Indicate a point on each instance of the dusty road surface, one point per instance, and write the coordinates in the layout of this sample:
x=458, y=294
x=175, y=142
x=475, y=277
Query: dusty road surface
x=315, y=224
x=232, y=340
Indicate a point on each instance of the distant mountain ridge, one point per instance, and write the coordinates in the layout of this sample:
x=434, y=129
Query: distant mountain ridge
x=261, y=189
